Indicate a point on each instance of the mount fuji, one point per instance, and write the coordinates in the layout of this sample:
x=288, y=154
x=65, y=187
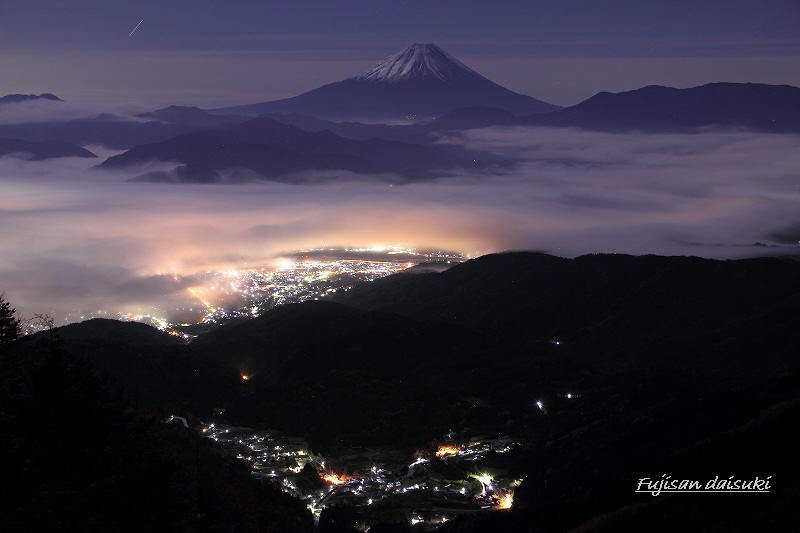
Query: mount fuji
x=418, y=83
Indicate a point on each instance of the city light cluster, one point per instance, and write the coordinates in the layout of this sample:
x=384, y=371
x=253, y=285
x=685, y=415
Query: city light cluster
x=217, y=296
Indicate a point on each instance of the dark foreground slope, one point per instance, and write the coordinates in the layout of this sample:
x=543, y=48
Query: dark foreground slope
x=616, y=310
x=673, y=365
x=154, y=369
x=76, y=457
x=584, y=466
x=342, y=376
x=686, y=367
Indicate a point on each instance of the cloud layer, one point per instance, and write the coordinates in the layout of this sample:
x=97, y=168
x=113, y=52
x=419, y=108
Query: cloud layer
x=79, y=239
x=33, y=111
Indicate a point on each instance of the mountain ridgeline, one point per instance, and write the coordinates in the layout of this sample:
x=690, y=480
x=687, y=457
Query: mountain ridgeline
x=675, y=364
x=750, y=106
x=264, y=148
x=289, y=147
x=657, y=109
x=612, y=306
x=383, y=124
x=18, y=98
x=427, y=90
x=36, y=151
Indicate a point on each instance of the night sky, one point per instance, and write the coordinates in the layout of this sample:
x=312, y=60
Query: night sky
x=214, y=53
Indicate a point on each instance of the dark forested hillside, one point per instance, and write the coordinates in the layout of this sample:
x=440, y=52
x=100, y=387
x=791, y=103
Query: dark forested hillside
x=76, y=457
x=614, y=309
x=372, y=378
x=673, y=365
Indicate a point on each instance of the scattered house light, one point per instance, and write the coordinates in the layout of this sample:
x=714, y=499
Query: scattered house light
x=446, y=451
x=505, y=501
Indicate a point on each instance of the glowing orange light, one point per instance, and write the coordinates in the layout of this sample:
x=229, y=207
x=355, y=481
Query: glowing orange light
x=505, y=501
x=335, y=479
x=245, y=377
x=446, y=451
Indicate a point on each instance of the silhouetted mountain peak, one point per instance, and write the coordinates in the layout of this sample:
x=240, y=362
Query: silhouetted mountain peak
x=419, y=61
x=17, y=98
x=418, y=83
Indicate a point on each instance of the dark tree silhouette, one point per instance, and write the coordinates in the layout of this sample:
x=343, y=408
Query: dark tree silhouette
x=339, y=519
x=75, y=456
x=10, y=328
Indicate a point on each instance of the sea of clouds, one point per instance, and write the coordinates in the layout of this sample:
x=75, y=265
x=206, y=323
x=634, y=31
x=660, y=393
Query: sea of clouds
x=75, y=237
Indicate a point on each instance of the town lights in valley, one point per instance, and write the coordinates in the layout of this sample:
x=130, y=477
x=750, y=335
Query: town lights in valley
x=218, y=296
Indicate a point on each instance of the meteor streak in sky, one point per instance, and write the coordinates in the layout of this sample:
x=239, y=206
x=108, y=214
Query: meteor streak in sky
x=135, y=28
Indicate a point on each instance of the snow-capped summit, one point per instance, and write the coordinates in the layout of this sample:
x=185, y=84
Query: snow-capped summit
x=419, y=61
x=420, y=82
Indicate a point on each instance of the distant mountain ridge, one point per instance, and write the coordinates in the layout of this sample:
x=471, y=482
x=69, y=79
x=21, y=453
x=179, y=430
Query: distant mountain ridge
x=420, y=82
x=112, y=130
x=102, y=129
x=411, y=151
x=272, y=150
x=36, y=151
x=17, y=98
x=754, y=106
x=652, y=109
x=190, y=116
x=459, y=119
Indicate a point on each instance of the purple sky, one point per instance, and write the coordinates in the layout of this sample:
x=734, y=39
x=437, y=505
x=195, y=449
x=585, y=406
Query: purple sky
x=213, y=53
